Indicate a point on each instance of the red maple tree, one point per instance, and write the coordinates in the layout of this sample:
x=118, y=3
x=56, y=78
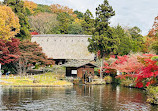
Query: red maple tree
x=9, y=51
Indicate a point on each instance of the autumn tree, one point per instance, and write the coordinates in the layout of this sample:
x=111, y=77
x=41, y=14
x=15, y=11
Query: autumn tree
x=43, y=23
x=88, y=23
x=19, y=9
x=56, y=8
x=152, y=41
x=9, y=53
x=31, y=54
x=31, y=6
x=154, y=31
x=9, y=23
x=103, y=39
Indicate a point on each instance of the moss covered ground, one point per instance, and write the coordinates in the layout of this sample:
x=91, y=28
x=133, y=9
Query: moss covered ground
x=47, y=79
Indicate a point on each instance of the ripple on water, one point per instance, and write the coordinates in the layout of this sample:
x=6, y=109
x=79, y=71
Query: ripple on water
x=77, y=98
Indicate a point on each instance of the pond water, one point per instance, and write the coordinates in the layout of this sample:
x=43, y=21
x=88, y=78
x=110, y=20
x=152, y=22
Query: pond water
x=75, y=98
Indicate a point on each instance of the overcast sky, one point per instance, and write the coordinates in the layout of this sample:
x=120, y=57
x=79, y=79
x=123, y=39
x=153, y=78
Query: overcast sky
x=139, y=13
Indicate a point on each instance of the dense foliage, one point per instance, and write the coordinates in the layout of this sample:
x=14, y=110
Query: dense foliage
x=9, y=51
x=9, y=23
x=19, y=9
x=43, y=23
x=143, y=68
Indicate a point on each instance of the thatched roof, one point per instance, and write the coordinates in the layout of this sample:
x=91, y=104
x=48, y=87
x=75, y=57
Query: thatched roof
x=64, y=46
x=79, y=63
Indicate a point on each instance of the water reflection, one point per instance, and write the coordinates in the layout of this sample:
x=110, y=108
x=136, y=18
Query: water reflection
x=76, y=98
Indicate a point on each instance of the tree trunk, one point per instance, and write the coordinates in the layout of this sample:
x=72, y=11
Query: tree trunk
x=101, y=68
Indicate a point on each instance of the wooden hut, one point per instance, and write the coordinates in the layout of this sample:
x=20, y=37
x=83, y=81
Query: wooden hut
x=78, y=68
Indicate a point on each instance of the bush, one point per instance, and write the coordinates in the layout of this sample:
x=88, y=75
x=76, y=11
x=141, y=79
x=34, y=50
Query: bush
x=152, y=93
x=108, y=79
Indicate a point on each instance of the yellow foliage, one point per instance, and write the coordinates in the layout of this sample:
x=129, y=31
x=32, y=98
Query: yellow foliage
x=30, y=5
x=9, y=23
x=78, y=21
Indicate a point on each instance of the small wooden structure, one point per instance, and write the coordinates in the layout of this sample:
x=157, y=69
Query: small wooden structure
x=78, y=68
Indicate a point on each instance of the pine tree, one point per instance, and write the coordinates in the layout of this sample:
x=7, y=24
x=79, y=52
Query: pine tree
x=19, y=9
x=88, y=23
x=103, y=39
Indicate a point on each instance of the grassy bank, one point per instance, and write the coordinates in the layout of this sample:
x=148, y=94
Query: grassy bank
x=48, y=79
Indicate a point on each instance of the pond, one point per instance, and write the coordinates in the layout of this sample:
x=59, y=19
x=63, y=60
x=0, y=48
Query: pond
x=75, y=98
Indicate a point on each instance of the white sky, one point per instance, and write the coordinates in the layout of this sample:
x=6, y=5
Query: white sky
x=139, y=13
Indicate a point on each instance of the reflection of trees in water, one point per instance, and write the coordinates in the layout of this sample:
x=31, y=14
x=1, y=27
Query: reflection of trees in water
x=106, y=97
x=17, y=96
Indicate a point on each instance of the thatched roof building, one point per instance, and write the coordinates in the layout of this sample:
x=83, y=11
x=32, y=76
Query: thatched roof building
x=64, y=46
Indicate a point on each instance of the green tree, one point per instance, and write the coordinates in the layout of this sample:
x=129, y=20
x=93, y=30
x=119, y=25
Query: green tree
x=137, y=39
x=103, y=40
x=79, y=14
x=88, y=23
x=64, y=20
x=75, y=29
x=42, y=8
x=125, y=45
x=19, y=9
x=154, y=46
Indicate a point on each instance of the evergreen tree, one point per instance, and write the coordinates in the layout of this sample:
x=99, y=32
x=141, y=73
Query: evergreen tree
x=103, y=39
x=88, y=23
x=19, y=9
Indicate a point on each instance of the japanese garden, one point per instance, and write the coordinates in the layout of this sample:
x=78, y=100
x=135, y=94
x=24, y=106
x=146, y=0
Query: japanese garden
x=55, y=58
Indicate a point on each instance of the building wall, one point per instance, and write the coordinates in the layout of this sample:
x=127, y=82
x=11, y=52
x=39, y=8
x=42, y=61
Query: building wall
x=64, y=46
x=81, y=71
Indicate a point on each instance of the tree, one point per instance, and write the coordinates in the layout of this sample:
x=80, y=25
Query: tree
x=42, y=8
x=64, y=20
x=79, y=14
x=154, y=31
x=154, y=46
x=9, y=51
x=9, y=23
x=19, y=9
x=103, y=39
x=75, y=29
x=9, y=54
x=31, y=54
x=125, y=45
x=31, y=6
x=137, y=39
x=43, y=23
x=88, y=23
x=56, y=8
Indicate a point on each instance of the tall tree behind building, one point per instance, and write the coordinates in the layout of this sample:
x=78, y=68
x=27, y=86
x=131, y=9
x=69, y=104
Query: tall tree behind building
x=103, y=39
x=88, y=23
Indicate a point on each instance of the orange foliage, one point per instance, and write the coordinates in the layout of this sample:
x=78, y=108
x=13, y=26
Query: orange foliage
x=154, y=30
x=30, y=5
x=56, y=8
x=9, y=23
